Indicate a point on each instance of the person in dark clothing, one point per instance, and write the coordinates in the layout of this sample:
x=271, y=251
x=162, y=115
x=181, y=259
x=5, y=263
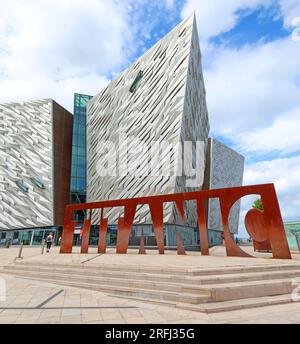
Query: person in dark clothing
x=49, y=241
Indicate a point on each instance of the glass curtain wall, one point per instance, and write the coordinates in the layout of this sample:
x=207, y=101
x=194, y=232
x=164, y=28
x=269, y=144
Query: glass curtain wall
x=79, y=160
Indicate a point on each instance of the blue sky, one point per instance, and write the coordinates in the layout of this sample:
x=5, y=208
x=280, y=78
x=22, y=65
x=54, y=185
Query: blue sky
x=261, y=24
x=250, y=56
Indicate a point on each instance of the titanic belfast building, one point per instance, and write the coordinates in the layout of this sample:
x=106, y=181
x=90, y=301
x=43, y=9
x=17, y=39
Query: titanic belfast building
x=159, y=98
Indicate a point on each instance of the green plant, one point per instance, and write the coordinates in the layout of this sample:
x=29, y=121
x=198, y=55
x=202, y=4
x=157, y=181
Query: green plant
x=258, y=204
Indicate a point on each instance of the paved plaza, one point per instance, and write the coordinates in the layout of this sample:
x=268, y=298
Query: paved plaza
x=32, y=302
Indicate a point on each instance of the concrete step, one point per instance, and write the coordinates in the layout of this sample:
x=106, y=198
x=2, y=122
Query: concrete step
x=110, y=267
x=224, y=306
x=127, y=291
x=249, y=289
x=171, y=270
x=248, y=276
x=232, y=305
x=112, y=281
x=113, y=274
x=161, y=277
x=245, y=269
x=217, y=292
x=208, y=290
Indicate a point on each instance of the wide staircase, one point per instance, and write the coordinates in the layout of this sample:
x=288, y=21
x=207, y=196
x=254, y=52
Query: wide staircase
x=204, y=290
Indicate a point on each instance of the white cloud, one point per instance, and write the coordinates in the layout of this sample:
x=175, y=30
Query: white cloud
x=169, y=4
x=40, y=87
x=248, y=88
x=284, y=173
x=51, y=48
x=218, y=16
x=282, y=135
x=290, y=10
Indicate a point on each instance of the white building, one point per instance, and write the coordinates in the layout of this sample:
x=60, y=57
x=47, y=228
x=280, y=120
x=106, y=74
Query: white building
x=35, y=164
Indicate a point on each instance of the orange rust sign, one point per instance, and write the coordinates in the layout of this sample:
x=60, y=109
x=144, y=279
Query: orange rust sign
x=265, y=227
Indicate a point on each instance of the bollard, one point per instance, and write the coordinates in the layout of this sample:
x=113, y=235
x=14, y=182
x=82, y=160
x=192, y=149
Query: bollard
x=298, y=240
x=20, y=251
x=43, y=247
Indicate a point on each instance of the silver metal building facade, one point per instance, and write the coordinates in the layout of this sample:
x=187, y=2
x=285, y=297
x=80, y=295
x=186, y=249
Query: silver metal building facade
x=160, y=97
x=35, y=165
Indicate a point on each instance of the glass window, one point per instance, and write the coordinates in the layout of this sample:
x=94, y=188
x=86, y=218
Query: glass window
x=22, y=186
x=37, y=182
x=81, y=172
x=9, y=235
x=74, y=160
x=38, y=237
x=75, y=128
x=15, y=239
x=81, y=100
x=74, y=170
x=81, y=183
x=136, y=81
x=73, y=183
x=82, y=130
x=25, y=237
x=81, y=139
x=75, y=150
x=82, y=164
x=78, y=181
x=82, y=121
x=82, y=161
x=75, y=140
x=81, y=151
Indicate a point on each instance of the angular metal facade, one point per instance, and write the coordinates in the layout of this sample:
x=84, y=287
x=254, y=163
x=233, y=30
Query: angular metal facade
x=225, y=168
x=159, y=97
x=34, y=162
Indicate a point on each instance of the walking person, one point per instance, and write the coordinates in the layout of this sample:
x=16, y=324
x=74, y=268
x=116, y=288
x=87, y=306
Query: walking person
x=49, y=241
x=223, y=238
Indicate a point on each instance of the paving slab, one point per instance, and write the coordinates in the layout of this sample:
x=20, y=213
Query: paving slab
x=31, y=301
